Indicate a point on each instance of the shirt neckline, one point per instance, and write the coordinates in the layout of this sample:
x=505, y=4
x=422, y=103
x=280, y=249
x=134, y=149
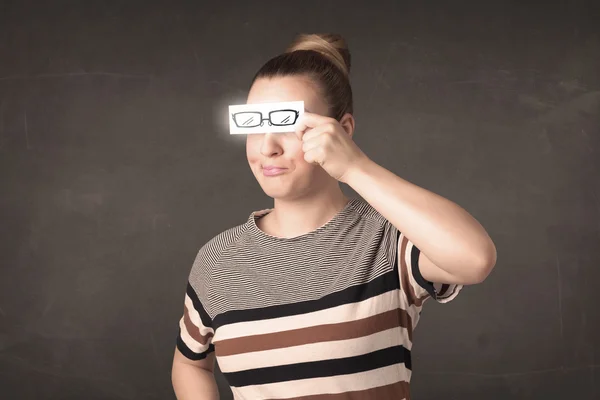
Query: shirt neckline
x=255, y=215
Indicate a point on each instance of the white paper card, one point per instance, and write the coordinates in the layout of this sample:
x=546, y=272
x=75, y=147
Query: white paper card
x=278, y=117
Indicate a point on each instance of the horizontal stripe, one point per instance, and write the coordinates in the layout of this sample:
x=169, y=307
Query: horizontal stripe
x=449, y=294
x=415, y=288
x=197, y=305
x=396, y=391
x=320, y=333
x=351, y=383
x=416, y=279
x=189, y=353
x=343, y=313
x=194, y=339
x=408, y=289
x=326, y=315
x=341, y=366
x=193, y=324
x=444, y=289
x=377, y=286
x=312, y=351
x=189, y=340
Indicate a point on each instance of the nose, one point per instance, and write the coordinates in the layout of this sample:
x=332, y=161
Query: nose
x=270, y=145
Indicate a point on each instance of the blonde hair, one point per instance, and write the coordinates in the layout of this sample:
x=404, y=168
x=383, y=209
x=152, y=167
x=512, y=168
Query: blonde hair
x=330, y=45
x=325, y=59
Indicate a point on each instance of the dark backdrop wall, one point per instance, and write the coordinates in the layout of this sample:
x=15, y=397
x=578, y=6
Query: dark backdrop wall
x=116, y=166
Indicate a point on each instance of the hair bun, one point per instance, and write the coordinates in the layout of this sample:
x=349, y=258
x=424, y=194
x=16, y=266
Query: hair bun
x=331, y=45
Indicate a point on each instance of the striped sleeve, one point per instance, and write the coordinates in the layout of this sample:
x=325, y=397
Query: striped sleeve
x=195, y=328
x=417, y=288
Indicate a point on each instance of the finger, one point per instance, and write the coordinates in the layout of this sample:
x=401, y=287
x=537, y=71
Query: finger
x=312, y=133
x=309, y=120
x=313, y=156
x=311, y=144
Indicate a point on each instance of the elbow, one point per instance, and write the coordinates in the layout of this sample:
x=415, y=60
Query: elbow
x=478, y=275
x=483, y=267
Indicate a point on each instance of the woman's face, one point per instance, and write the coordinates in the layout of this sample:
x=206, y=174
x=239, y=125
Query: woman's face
x=284, y=150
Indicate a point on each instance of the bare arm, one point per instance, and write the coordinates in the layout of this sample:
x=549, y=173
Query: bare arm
x=194, y=380
x=454, y=247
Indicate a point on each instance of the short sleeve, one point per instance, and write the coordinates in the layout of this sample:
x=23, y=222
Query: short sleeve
x=195, y=328
x=416, y=288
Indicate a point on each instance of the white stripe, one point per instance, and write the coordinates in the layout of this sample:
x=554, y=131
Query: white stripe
x=342, y=313
x=419, y=290
x=194, y=315
x=338, y=384
x=315, y=351
x=190, y=341
x=194, y=345
x=412, y=309
x=450, y=294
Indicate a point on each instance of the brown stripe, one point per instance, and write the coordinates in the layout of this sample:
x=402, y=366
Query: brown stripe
x=193, y=330
x=406, y=322
x=316, y=334
x=396, y=391
x=412, y=297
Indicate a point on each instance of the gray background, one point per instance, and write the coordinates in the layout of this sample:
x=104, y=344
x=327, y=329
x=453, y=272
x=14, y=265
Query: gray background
x=116, y=167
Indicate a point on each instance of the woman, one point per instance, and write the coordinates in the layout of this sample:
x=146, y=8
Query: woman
x=320, y=295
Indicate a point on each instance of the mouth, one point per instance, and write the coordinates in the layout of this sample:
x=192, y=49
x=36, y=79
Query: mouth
x=272, y=170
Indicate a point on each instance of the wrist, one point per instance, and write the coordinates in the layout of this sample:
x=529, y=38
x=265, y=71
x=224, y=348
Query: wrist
x=357, y=170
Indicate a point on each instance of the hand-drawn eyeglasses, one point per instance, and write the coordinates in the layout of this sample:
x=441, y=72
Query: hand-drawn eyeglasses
x=252, y=119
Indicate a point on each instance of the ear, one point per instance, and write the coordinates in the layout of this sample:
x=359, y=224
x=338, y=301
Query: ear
x=347, y=122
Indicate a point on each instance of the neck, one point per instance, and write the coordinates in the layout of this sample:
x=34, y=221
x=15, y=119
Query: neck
x=299, y=216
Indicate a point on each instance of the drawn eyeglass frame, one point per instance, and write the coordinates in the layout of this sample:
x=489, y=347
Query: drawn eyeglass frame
x=243, y=119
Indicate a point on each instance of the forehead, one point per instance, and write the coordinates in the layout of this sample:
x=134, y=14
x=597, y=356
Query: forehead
x=289, y=88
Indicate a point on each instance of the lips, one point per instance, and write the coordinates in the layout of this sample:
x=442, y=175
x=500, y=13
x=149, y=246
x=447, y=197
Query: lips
x=271, y=170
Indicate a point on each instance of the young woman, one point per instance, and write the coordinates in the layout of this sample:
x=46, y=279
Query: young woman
x=318, y=297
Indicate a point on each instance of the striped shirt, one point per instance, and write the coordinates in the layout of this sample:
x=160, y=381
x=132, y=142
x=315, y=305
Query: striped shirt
x=326, y=315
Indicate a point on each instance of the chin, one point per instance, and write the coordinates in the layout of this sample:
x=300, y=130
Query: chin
x=278, y=193
x=286, y=188
x=281, y=192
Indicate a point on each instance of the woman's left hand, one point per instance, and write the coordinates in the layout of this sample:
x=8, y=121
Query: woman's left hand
x=325, y=142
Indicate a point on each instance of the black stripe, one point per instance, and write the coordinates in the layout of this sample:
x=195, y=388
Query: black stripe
x=444, y=289
x=186, y=351
x=204, y=317
x=450, y=291
x=414, y=259
x=317, y=369
x=414, y=266
x=382, y=284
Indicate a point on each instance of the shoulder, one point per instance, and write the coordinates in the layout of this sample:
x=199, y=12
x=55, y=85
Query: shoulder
x=366, y=212
x=211, y=252
x=373, y=230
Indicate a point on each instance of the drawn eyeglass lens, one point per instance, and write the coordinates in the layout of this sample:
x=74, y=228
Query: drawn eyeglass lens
x=283, y=117
x=248, y=119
